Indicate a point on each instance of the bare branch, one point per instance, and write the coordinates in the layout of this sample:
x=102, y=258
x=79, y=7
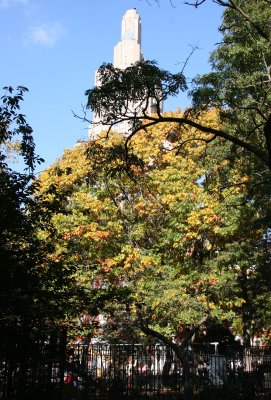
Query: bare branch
x=193, y=49
x=196, y=4
x=82, y=118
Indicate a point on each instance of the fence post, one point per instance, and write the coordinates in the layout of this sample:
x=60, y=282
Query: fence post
x=62, y=360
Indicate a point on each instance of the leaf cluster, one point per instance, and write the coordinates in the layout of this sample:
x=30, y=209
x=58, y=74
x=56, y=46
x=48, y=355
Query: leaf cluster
x=34, y=286
x=123, y=94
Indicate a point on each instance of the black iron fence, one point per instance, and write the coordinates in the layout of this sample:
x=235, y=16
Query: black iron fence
x=135, y=371
x=33, y=371
x=103, y=371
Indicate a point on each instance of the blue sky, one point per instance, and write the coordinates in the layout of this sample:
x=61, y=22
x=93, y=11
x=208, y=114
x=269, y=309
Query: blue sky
x=54, y=46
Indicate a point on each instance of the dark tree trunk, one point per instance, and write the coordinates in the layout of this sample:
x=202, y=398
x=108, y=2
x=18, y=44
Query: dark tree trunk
x=267, y=134
x=180, y=350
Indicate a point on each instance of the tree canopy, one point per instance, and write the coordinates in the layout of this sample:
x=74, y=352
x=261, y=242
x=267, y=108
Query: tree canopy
x=231, y=244
x=159, y=244
x=34, y=286
x=239, y=85
x=163, y=231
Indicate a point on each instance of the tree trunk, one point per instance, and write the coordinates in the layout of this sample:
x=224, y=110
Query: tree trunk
x=267, y=134
x=180, y=350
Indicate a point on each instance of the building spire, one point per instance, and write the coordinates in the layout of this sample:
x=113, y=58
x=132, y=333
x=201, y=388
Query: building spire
x=126, y=53
x=128, y=50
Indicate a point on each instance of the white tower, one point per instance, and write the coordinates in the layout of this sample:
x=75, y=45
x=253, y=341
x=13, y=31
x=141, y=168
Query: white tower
x=128, y=50
x=126, y=53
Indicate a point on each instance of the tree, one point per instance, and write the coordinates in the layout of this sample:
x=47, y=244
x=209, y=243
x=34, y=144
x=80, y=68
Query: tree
x=34, y=288
x=159, y=242
x=239, y=86
x=161, y=250
x=88, y=229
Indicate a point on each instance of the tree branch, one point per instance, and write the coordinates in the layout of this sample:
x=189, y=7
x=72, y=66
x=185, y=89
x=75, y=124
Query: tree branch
x=234, y=6
x=267, y=134
x=177, y=348
x=206, y=129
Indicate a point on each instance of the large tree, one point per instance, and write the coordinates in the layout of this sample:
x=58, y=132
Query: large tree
x=239, y=85
x=34, y=288
x=155, y=240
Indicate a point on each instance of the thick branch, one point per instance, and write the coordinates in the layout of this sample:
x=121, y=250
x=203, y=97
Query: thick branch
x=151, y=332
x=267, y=133
x=178, y=349
x=194, y=329
x=207, y=129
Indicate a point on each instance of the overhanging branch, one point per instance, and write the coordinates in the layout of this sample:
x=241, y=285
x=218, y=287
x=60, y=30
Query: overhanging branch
x=178, y=348
x=152, y=120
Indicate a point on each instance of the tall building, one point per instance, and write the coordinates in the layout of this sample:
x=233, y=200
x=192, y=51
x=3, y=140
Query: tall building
x=126, y=52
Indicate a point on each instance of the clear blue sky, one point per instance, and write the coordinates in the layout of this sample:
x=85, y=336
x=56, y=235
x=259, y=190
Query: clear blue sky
x=54, y=46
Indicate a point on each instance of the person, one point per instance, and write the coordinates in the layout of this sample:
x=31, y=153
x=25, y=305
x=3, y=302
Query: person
x=71, y=386
x=142, y=368
x=202, y=369
x=68, y=378
x=71, y=379
x=129, y=371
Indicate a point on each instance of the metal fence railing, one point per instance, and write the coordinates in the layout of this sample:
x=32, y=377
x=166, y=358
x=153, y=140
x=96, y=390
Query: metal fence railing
x=137, y=371
x=103, y=371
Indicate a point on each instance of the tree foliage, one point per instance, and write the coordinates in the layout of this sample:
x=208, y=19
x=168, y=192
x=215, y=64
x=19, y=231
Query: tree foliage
x=14, y=128
x=34, y=288
x=160, y=245
x=126, y=94
x=237, y=159
x=168, y=227
x=239, y=85
x=240, y=82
